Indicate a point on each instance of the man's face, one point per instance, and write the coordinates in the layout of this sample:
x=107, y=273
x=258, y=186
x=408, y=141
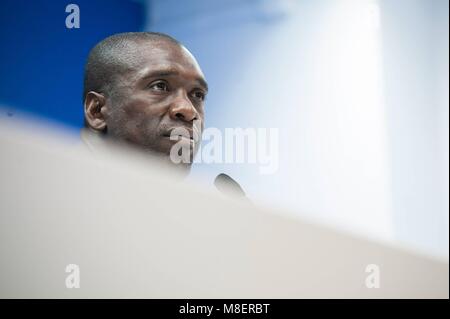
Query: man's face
x=165, y=90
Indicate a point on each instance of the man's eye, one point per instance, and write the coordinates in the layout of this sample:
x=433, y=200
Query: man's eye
x=159, y=86
x=199, y=95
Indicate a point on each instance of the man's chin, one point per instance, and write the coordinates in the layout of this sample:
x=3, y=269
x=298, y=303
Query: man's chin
x=179, y=152
x=180, y=156
x=180, y=168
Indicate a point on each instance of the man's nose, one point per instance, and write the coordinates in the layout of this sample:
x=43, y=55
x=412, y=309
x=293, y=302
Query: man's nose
x=182, y=109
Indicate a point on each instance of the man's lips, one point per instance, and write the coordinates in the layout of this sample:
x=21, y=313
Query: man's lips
x=186, y=134
x=180, y=133
x=179, y=138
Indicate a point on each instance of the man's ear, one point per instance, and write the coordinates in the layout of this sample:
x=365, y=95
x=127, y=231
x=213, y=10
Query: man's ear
x=94, y=111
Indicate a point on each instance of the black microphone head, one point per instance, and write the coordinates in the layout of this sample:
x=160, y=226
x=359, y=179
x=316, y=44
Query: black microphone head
x=225, y=184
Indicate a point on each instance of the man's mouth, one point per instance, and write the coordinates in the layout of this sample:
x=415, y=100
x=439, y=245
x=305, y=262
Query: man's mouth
x=175, y=134
x=179, y=137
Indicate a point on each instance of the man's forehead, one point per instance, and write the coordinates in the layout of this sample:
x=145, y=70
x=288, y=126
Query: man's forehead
x=160, y=60
x=165, y=55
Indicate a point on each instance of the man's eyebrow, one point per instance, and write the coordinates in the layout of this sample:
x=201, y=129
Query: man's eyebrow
x=203, y=83
x=167, y=73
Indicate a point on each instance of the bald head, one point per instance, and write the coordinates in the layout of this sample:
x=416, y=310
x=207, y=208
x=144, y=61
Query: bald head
x=115, y=56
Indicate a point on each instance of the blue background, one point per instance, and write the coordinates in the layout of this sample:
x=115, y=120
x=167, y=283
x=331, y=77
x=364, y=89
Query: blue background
x=42, y=61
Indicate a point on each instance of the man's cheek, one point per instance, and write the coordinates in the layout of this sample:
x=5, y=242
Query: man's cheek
x=150, y=132
x=132, y=130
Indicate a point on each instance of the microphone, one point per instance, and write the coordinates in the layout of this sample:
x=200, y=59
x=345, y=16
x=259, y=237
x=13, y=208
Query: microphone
x=228, y=186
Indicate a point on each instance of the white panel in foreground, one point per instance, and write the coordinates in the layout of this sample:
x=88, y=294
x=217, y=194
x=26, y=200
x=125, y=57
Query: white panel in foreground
x=135, y=233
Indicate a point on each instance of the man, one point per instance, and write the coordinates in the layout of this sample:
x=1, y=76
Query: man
x=147, y=90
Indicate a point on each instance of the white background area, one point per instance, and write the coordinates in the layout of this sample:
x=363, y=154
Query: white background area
x=359, y=92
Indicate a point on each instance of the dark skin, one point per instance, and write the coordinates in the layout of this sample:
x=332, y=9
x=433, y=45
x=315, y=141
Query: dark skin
x=165, y=89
